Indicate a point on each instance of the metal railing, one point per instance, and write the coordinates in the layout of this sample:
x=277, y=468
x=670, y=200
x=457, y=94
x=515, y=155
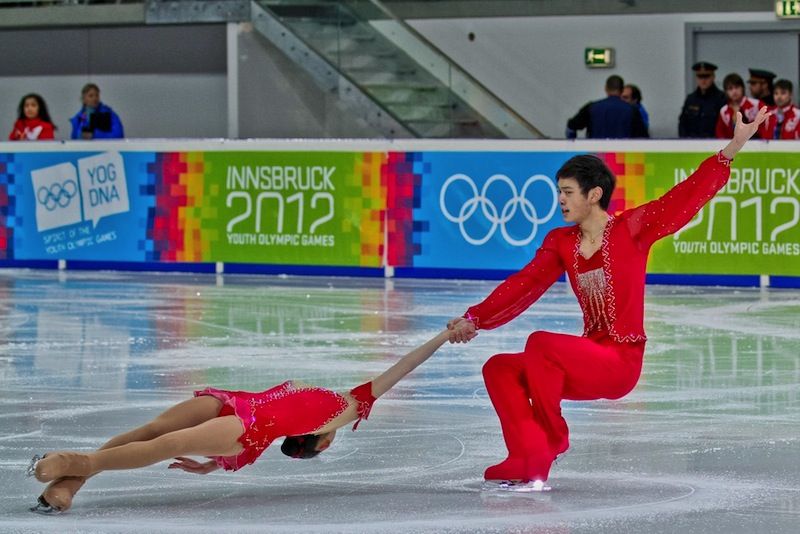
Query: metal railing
x=399, y=68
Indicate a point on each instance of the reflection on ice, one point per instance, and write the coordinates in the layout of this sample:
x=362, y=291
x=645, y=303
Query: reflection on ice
x=708, y=441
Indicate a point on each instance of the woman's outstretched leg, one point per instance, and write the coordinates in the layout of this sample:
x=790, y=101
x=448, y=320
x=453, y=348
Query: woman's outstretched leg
x=60, y=493
x=217, y=437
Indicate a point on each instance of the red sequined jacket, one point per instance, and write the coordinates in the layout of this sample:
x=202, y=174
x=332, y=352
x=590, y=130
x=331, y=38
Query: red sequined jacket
x=627, y=239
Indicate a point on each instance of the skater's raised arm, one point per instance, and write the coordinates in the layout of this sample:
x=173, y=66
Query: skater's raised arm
x=666, y=215
x=743, y=132
x=408, y=363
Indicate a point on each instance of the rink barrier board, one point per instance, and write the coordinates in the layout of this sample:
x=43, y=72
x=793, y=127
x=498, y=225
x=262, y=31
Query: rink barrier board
x=440, y=274
x=396, y=206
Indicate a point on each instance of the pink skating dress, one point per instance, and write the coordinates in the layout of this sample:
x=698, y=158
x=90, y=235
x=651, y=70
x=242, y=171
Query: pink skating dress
x=284, y=410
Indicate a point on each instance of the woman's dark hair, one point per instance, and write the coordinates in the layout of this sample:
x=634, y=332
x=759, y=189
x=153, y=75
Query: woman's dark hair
x=734, y=80
x=43, y=113
x=590, y=172
x=304, y=446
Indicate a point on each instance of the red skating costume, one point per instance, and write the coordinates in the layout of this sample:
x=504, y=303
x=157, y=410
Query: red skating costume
x=284, y=410
x=526, y=388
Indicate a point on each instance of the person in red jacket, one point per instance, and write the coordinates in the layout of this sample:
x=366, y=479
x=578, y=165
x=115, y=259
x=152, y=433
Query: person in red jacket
x=33, y=120
x=737, y=103
x=605, y=258
x=784, y=121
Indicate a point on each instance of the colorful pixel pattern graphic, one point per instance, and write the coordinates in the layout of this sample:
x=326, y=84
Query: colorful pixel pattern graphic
x=371, y=205
x=403, y=173
x=630, y=169
x=180, y=210
x=8, y=216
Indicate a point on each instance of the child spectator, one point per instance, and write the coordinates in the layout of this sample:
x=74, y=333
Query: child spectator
x=737, y=101
x=784, y=123
x=33, y=120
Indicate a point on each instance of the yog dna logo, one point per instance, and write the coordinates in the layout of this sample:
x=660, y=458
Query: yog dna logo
x=66, y=195
x=498, y=205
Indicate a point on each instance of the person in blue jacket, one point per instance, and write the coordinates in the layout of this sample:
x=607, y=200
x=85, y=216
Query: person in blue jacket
x=633, y=95
x=95, y=120
x=610, y=118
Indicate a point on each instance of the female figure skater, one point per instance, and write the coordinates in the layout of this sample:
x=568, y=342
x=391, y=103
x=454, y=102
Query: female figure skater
x=33, y=120
x=233, y=428
x=605, y=257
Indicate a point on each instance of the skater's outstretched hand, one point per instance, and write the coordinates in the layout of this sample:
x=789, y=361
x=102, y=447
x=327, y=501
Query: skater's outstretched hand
x=193, y=466
x=462, y=330
x=744, y=131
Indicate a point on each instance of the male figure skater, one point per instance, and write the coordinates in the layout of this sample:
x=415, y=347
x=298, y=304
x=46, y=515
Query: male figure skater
x=604, y=257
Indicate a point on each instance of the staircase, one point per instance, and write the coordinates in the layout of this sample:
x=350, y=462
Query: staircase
x=360, y=45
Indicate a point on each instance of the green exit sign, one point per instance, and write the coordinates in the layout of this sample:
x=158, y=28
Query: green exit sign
x=788, y=9
x=599, y=57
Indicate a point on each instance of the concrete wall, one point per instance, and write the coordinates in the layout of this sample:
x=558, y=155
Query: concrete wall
x=536, y=63
x=277, y=99
x=163, y=81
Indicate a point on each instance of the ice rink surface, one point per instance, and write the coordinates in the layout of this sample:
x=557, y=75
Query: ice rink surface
x=709, y=441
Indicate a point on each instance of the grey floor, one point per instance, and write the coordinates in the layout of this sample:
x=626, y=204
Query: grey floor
x=707, y=442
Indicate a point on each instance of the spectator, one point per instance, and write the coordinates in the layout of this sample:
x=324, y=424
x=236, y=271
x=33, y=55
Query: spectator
x=760, y=83
x=737, y=101
x=633, y=95
x=784, y=123
x=610, y=118
x=33, y=120
x=701, y=107
x=95, y=120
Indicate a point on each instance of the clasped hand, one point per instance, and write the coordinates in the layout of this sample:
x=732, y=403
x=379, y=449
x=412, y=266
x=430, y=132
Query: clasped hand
x=462, y=330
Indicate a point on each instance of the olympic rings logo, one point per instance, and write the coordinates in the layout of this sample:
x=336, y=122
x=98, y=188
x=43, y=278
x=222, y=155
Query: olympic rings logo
x=518, y=201
x=57, y=194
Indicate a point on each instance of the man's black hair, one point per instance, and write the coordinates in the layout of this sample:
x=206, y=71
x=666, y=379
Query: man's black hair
x=304, y=446
x=590, y=172
x=614, y=83
x=734, y=80
x=786, y=85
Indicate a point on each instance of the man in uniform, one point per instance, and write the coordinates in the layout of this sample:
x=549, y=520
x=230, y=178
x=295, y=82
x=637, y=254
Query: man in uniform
x=760, y=83
x=701, y=107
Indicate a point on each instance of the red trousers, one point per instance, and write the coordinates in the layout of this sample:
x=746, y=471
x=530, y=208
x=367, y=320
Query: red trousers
x=526, y=390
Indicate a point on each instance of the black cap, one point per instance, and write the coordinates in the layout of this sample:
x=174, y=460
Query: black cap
x=759, y=73
x=703, y=65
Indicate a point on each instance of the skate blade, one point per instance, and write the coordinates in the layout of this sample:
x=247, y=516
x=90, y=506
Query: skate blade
x=44, y=508
x=31, y=471
x=535, y=486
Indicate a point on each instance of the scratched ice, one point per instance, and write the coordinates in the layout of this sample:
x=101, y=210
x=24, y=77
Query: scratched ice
x=708, y=442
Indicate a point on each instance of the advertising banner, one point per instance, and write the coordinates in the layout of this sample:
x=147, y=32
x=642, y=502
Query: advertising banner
x=752, y=226
x=302, y=208
x=429, y=209
x=77, y=205
x=491, y=210
x=471, y=210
